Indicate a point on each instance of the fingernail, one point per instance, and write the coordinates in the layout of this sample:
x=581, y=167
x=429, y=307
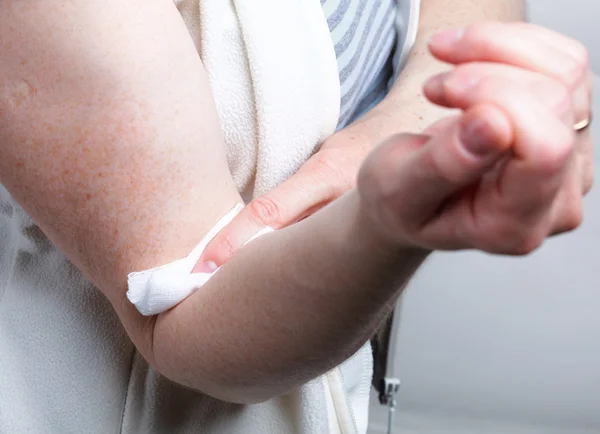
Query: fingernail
x=435, y=84
x=447, y=38
x=476, y=137
x=206, y=267
x=452, y=85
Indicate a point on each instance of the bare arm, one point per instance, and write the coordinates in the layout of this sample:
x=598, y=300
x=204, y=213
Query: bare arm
x=108, y=136
x=405, y=108
x=109, y=139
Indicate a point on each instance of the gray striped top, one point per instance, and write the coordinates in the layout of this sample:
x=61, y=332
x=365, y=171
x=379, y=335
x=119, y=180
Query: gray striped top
x=364, y=36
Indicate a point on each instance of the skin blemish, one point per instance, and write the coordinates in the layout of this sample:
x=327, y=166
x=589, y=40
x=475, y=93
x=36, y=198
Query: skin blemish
x=20, y=94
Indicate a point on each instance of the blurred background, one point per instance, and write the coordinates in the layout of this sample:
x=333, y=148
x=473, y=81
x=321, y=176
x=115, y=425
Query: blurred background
x=492, y=345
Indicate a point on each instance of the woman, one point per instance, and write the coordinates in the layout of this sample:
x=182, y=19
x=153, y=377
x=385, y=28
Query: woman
x=112, y=167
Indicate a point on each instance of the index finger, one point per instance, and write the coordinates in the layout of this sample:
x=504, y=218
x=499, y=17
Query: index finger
x=523, y=45
x=311, y=188
x=224, y=245
x=526, y=46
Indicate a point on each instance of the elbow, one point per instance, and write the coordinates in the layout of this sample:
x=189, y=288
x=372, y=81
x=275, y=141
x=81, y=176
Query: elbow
x=222, y=381
x=216, y=385
x=239, y=394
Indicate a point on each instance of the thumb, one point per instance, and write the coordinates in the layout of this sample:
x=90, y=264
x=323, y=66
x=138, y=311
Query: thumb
x=296, y=198
x=456, y=158
x=451, y=160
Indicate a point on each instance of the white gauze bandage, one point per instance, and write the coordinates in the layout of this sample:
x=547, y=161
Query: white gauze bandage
x=159, y=289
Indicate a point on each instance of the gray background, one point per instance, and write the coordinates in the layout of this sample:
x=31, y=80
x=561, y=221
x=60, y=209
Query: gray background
x=501, y=345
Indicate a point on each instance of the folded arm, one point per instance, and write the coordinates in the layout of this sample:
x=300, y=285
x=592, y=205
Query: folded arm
x=110, y=140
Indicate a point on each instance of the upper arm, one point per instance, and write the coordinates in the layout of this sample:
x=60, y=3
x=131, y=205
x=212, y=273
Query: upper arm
x=109, y=137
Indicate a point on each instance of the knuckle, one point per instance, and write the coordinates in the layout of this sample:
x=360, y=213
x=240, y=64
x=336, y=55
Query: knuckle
x=572, y=216
x=581, y=58
x=265, y=210
x=464, y=81
x=455, y=81
x=448, y=85
x=518, y=238
x=431, y=167
x=559, y=96
x=479, y=35
x=487, y=85
x=528, y=245
x=226, y=250
x=572, y=220
x=573, y=68
x=526, y=239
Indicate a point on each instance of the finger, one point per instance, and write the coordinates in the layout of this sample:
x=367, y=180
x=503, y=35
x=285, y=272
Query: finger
x=545, y=89
x=443, y=165
x=451, y=89
x=524, y=45
x=581, y=86
x=317, y=182
x=567, y=212
x=466, y=86
x=543, y=140
x=585, y=151
x=567, y=208
x=228, y=241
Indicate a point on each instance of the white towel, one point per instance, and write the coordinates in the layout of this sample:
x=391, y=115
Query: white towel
x=273, y=74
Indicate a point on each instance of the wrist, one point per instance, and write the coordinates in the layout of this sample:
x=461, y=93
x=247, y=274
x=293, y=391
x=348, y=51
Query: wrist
x=371, y=235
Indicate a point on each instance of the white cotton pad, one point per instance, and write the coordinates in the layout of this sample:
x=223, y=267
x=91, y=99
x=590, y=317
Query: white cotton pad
x=159, y=289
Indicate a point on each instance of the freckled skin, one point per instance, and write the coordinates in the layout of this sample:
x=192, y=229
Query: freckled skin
x=104, y=146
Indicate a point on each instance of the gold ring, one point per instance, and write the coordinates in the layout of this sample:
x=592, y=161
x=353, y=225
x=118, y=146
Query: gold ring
x=582, y=125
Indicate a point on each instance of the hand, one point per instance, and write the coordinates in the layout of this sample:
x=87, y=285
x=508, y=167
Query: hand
x=510, y=170
x=323, y=178
x=491, y=49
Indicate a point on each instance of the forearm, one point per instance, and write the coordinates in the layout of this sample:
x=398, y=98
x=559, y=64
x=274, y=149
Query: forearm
x=285, y=308
x=405, y=108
